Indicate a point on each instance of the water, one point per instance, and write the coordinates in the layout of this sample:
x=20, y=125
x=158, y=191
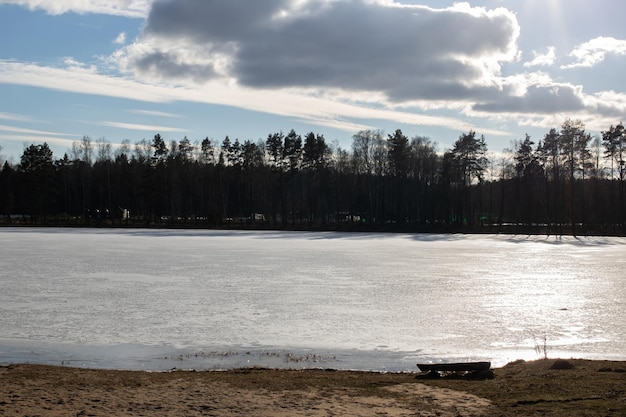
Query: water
x=158, y=299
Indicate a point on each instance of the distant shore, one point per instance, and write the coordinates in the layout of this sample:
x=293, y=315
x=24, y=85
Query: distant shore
x=583, y=388
x=506, y=228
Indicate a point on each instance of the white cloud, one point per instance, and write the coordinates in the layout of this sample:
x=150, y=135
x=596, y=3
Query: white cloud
x=134, y=126
x=76, y=80
x=14, y=117
x=594, y=51
x=344, y=125
x=10, y=133
x=154, y=113
x=77, y=66
x=542, y=60
x=28, y=139
x=278, y=102
x=7, y=128
x=128, y=8
x=121, y=39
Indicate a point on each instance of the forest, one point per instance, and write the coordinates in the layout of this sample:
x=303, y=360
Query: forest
x=567, y=182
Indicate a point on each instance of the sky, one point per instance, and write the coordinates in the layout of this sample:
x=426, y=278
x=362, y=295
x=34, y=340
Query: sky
x=129, y=69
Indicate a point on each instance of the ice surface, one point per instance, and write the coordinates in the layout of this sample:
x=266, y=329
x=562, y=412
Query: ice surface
x=155, y=299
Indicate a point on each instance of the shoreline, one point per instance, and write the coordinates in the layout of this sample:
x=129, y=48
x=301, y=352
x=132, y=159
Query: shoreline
x=589, y=387
x=138, y=357
x=508, y=229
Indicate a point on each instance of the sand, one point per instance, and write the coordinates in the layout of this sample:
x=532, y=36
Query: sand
x=35, y=390
x=575, y=387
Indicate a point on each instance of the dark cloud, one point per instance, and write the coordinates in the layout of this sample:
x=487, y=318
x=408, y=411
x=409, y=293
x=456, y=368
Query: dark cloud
x=354, y=46
x=539, y=99
x=212, y=20
x=167, y=65
x=408, y=52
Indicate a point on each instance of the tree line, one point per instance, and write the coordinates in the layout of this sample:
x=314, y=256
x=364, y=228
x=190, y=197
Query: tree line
x=567, y=182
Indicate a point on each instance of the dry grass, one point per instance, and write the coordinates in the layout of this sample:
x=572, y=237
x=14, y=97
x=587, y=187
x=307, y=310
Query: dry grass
x=590, y=388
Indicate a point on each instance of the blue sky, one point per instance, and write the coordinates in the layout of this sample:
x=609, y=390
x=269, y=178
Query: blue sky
x=128, y=69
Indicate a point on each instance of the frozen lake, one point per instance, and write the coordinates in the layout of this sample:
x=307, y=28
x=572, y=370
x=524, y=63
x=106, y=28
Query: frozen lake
x=158, y=299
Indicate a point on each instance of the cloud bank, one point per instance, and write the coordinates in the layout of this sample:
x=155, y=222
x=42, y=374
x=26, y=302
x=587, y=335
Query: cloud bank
x=407, y=53
x=365, y=51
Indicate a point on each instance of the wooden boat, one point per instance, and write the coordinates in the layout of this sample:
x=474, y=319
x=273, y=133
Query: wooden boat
x=454, y=367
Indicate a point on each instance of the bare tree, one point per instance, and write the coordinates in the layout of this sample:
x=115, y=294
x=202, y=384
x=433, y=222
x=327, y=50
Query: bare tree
x=103, y=150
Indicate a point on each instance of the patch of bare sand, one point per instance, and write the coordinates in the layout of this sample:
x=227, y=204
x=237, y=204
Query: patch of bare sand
x=405, y=400
x=49, y=391
x=444, y=401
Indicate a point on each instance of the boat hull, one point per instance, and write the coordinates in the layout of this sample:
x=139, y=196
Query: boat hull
x=455, y=367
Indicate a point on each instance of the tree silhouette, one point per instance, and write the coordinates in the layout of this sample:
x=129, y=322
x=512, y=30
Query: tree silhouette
x=37, y=167
x=564, y=184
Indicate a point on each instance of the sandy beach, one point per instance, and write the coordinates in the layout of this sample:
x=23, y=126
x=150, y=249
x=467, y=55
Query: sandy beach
x=59, y=391
x=522, y=388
